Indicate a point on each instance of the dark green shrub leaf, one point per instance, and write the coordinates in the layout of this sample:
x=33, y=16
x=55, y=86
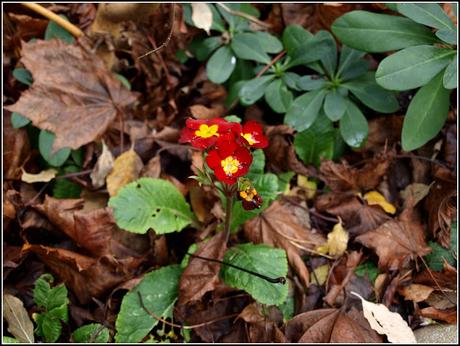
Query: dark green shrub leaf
x=261, y=259
x=426, y=114
x=159, y=290
x=310, y=82
x=355, y=70
x=438, y=254
x=317, y=142
x=270, y=44
x=291, y=79
x=151, y=203
x=450, y=75
x=448, y=35
x=294, y=36
x=18, y=120
x=202, y=48
x=247, y=46
x=329, y=58
x=278, y=96
x=304, y=110
x=254, y=89
x=54, y=30
x=412, y=67
x=45, y=145
x=316, y=48
x=91, y=333
x=335, y=105
x=221, y=65
x=66, y=188
x=426, y=13
x=347, y=57
x=353, y=126
x=373, y=95
x=373, y=32
x=368, y=269
x=23, y=75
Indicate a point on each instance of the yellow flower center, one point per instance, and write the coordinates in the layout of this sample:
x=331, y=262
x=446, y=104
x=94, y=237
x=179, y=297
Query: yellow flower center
x=206, y=131
x=230, y=165
x=249, y=194
x=251, y=140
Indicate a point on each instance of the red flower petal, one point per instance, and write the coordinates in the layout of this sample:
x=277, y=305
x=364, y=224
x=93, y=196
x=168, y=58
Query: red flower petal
x=213, y=159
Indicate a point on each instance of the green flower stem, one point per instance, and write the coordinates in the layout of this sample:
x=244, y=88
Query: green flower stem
x=228, y=214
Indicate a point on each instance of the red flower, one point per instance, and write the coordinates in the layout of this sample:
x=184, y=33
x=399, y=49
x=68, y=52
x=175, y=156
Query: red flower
x=204, y=133
x=229, y=160
x=253, y=135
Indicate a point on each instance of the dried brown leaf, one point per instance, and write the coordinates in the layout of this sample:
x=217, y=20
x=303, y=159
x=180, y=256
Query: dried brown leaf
x=42, y=177
x=16, y=148
x=102, y=168
x=126, y=169
x=416, y=292
x=203, y=112
x=71, y=87
x=447, y=315
x=19, y=322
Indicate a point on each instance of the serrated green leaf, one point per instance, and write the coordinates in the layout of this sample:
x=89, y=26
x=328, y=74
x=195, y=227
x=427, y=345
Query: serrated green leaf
x=57, y=297
x=449, y=36
x=51, y=328
x=429, y=14
x=59, y=313
x=151, y=203
x=310, y=82
x=426, y=114
x=269, y=43
x=277, y=96
x=373, y=95
x=334, y=105
x=294, y=36
x=353, y=126
x=202, y=48
x=45, y=145
x=254, y=89
x=18, y=120
x=261, y=259
x=412, y=67
x=53, y=30
x=247, y=46
x=368, y=269
x=23, y=75
x=159, y=290
x=91, y=333
x=304, y=110
x=221, y=65
x=317, y=142
x=449, y=80
x=373, y=32
x=42, y=289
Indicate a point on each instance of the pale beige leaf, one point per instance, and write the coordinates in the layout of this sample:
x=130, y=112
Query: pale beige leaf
x=42, y=177
x=202, y=16
x=126, y=168
x=416, y=292
x=103, y=167
x=19, y=323
x=383, y=321
x=417, y=191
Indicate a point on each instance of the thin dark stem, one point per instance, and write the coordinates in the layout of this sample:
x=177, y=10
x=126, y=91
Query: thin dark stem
x=423, y=158
x=76, y=174
x=228, y=215
x=271, y=63
x=279, y=280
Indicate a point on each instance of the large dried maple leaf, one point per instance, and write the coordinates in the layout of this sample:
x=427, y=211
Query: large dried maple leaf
x=397, y=241
x=73, y=94
x=281, y=227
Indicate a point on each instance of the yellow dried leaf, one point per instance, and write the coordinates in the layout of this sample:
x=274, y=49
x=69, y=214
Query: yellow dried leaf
x=42, y=177
x=337, y=242
x=376, y=198
x=308, y=185
x=319, y=275
x=126, y=168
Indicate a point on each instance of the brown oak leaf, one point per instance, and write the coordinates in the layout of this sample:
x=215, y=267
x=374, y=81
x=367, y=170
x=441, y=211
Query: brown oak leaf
x=71, y=86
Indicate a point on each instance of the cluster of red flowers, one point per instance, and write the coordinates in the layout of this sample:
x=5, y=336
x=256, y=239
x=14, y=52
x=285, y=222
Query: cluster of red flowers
x=228, y=145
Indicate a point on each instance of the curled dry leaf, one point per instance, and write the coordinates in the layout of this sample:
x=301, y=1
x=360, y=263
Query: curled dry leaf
x=16, y=148
x=447, y=315
x=416, y=292
x=19, y=323
x=383, y=321
x=103, y=167
x=337, y=241
x=280, y=227
x=202, y=16
x=71, y=86
x=203, y=112
x=153, y=168
x=376, y=198
x=42, y=177
x=126, y=169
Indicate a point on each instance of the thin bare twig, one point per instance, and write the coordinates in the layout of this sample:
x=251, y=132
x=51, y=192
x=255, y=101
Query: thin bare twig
x=271, y=63
x=245, y=16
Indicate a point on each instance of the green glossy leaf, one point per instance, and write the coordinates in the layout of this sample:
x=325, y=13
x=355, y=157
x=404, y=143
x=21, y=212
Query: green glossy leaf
x=247, y=46
x=278, y=96
x=334, y=105
x=373, y=32
x=355, y=69
x=329, y=59
x=202, y=48
x=426, y=114
x=310, y=82
x=261, y=259
x=291, y=79
x=233, y=118
x=270, y=44
x=254, y=89
x=412, y=67
x=66, y=188
x=317, y=142
x=294, y=36
x=159, y=290
x=234, y=21
x=77, y=156
x=449, y=79
x=305, y=109
x=448, y=35
x=18, y=120
x=347, y=57
x=23, y=75
x=316, y=48
x=45, y=145
x=373, y=95
x=91, y=333
x=221, y=65
x=368, y=269
x=233, y=92
x=54, y=30
x=429, y=14
x=151, y=203
x=353, y=126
